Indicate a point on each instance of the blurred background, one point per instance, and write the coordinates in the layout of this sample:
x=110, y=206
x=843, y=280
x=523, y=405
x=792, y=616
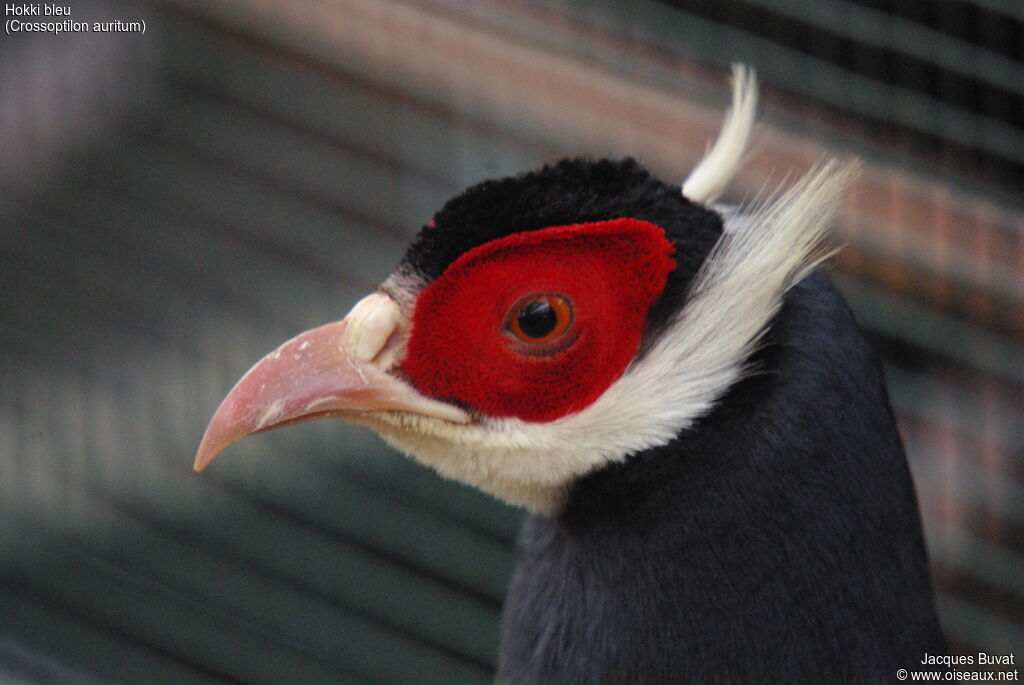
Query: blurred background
x=177, y=202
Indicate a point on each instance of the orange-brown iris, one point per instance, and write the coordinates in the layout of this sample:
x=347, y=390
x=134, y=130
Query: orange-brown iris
x=540, y=319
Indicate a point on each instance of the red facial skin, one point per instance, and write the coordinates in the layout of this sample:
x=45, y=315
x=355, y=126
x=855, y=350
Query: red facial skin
x=462, y=348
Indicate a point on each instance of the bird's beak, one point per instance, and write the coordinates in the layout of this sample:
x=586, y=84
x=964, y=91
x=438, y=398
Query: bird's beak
x=339, y=369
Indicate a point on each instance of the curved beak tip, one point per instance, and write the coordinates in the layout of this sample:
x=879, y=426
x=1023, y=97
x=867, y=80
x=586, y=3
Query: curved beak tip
x=204, y=453
x=203, y=458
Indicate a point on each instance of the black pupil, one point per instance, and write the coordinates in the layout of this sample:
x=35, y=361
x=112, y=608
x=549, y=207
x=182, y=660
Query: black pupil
x=536, y=319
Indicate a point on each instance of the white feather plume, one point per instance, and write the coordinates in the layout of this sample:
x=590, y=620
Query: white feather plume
x=711, y=176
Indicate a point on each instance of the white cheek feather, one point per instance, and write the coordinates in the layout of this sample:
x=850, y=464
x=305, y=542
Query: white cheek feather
x=693, y=362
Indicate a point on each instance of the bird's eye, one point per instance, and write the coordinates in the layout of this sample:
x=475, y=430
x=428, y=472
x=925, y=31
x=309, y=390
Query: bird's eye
x=540, y=319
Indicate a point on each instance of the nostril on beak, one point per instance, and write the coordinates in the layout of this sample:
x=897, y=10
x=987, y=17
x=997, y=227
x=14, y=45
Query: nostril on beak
x=370, y=323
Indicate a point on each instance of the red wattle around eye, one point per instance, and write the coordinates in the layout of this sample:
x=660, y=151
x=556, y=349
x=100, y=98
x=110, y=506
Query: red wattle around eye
x=459, y=349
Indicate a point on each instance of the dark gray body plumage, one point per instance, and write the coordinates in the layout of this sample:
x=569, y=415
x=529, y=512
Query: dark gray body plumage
x=778, y=540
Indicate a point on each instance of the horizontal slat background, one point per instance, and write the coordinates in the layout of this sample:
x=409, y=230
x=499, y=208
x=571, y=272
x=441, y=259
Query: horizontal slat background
x=176, y=204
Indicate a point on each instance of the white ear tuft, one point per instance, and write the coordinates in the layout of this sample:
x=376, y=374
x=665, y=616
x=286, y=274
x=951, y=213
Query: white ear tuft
x=712, y=174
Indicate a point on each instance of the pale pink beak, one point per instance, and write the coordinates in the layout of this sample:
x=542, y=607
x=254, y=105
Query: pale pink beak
x=339, y=369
